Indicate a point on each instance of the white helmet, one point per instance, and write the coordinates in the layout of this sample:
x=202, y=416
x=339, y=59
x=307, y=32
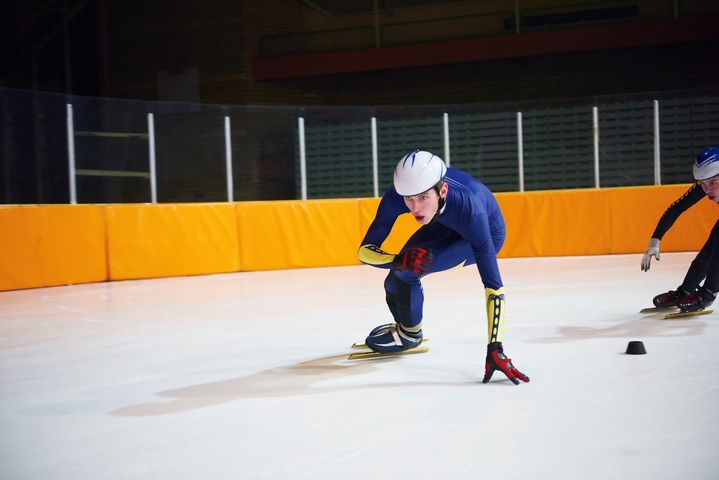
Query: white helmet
x=706, y=165
x=417, y=172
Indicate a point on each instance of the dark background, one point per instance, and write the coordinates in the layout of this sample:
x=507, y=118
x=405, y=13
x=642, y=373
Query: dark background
x=212, y=51
x=220, y=56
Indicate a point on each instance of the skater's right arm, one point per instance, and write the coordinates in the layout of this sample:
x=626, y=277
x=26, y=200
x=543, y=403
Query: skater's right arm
x=390, y=207
x=689, y=198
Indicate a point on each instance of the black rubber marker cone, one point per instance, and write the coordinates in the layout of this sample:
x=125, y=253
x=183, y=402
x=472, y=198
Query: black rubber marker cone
x=636, y=348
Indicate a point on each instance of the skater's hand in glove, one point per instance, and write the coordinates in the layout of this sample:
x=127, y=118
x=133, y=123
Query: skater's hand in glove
x=496, y=360
x=415, y=259
x=652, y=249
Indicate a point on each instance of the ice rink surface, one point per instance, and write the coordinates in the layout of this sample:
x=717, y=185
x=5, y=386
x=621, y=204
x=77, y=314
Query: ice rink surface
x=244, y=376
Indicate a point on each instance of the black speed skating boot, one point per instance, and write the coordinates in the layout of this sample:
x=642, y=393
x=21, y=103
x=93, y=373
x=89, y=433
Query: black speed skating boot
x=698, y=300
x=670, y=298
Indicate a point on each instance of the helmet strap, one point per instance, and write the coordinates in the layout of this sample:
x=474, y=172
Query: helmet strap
x=440, y=202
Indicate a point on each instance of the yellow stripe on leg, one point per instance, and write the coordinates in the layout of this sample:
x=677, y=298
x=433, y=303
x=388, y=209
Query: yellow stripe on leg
x=495, y=314
x=457, y=267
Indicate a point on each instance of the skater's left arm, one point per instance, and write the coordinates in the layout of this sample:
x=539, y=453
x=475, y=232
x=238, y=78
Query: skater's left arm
x=486, y=258
x=479, y=236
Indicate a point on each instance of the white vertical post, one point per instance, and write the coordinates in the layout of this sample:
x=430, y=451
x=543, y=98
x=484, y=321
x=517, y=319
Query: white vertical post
x=595, y=134
x=153, y=173
x=520, y=151
x=375, y=158
x=657, y=152
x=446, y=139
x=303, y=159
x=71, y=154
x=228, y=160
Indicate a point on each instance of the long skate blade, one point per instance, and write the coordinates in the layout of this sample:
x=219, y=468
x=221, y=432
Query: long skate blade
x=364, y=345
x=358, y=355
x=658, y=309
x=687, y=314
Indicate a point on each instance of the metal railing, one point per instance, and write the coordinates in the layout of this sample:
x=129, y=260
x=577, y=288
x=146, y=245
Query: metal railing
x=70, y=149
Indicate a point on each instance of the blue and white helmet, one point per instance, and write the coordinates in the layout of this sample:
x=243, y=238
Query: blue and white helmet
x=706, y=165
x=417, y=172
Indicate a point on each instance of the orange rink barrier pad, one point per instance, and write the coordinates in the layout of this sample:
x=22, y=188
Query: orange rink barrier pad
x=46, y=245
x=167, y=240
x=52, y=245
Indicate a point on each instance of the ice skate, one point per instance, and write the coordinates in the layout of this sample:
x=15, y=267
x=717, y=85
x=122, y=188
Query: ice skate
x=390, y=339
x=666, y=302
x=669, y=299
x=359, y=345
x=696, y=301
x=688, y=305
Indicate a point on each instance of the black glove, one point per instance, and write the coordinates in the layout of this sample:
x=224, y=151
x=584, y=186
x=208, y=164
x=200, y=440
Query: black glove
x=496, y=360
x=416, y=259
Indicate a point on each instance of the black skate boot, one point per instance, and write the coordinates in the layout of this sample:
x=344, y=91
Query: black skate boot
x=670, y=298
x=698, y=300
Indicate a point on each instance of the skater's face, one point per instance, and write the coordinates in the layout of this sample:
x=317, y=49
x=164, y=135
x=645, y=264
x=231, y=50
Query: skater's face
x=425, y=205
x=711, y=188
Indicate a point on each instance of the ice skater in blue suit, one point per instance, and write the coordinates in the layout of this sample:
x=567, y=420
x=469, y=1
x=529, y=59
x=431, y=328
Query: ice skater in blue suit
x=461, y=225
